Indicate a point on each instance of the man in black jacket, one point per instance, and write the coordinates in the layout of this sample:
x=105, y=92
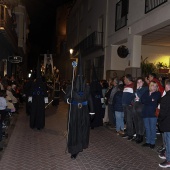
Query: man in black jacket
x=164, y=123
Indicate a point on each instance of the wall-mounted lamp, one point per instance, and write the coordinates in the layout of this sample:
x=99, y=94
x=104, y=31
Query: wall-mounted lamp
x=71, y=51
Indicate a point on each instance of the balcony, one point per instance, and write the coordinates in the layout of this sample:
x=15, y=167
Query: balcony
x=122, y=8
x=7, y=30
x=91, y=43
x=152, y=4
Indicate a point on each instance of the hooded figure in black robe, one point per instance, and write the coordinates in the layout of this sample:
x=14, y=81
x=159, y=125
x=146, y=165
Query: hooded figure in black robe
x=96, y=92
x=80, y=110
x=38, y=98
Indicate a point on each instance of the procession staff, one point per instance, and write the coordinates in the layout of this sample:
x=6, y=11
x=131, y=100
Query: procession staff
x=79, y=98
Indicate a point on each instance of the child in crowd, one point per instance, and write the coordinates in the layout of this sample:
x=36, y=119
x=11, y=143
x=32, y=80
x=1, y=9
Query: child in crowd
x=119, y=114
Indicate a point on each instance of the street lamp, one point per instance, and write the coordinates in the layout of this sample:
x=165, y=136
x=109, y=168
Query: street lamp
x=71, y=51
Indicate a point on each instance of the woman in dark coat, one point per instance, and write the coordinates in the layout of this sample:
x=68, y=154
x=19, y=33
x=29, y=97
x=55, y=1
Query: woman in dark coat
x=150, y=100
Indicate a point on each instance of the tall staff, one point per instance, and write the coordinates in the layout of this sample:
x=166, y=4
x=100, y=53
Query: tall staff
x=74, y=65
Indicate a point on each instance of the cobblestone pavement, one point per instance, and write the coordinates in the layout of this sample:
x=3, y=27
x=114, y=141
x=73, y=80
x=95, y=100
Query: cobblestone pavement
x=29, y=149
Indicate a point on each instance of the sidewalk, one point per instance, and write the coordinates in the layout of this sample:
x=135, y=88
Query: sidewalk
x=45, y=150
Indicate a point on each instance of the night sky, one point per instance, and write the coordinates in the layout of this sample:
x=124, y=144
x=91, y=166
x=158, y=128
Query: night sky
x=42, y=37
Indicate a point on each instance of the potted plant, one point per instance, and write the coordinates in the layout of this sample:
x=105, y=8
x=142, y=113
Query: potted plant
x=147, y=67
x=162, y=67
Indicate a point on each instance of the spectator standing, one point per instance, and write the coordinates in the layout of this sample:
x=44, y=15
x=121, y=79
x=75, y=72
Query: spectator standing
x=164, y=123
x=140, y=87
x=111, y=112
x=127, y=99
x=150, y=100
x=118, y=108
x=107, y=96
x=152, y=77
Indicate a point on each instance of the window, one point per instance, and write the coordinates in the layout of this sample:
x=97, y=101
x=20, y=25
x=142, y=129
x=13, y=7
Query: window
x=122, y=8
x=152, y=4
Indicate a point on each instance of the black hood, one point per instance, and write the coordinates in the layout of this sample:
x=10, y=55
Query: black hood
x=79, y=79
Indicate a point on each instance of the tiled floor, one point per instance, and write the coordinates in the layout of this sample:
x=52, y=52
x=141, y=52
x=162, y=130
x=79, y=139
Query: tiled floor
x=45, y=150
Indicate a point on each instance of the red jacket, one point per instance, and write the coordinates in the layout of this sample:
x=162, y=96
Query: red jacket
x=160, y=88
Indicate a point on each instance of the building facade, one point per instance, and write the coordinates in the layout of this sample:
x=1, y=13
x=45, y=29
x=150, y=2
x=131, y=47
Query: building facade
x=140, y=25
x=86, y=29
x=14, y=23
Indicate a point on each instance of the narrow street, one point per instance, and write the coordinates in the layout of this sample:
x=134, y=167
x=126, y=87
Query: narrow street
x=29, y=149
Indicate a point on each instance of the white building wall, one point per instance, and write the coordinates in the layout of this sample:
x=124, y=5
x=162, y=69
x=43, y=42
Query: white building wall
x=138, y=23
x=84, y=20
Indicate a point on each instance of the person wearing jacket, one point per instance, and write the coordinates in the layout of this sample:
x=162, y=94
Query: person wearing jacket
x=150, y=100
x=140, y=88
x=118, y=108
x=127, y=99
x=164, y=123
x=152, y=77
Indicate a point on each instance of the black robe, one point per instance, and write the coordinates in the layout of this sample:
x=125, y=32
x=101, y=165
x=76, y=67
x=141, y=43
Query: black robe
x=37, y=112
x=79, y=120
x=96, y=92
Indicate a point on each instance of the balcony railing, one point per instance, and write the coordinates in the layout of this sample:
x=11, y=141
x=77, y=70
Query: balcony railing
x=92, y=42
x=152, y=4
x=122, y=8
x=7, y=25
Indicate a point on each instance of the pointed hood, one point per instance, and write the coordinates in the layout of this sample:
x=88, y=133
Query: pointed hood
x=79, y=80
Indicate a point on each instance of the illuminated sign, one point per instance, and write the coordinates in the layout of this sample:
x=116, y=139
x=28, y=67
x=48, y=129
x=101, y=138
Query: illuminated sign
x=15, y=59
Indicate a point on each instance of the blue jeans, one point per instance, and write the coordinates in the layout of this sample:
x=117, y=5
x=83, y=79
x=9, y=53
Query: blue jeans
x=150, y=127
x=167, y=145
x=119, y=120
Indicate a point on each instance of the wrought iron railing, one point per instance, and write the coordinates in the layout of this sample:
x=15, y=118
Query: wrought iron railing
x=152, y=4
x=122, y=8
x=93, y=41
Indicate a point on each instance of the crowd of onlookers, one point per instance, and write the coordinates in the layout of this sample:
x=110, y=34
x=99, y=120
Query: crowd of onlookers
x=136, y=110
x=10, y=98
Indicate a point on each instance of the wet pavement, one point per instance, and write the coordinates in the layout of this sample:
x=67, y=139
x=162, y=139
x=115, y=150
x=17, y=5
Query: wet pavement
x=29, y=149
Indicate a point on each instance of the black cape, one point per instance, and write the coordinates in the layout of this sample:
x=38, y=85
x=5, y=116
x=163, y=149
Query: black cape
x=96, y=92
x=79, y=120
x=37, y=112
